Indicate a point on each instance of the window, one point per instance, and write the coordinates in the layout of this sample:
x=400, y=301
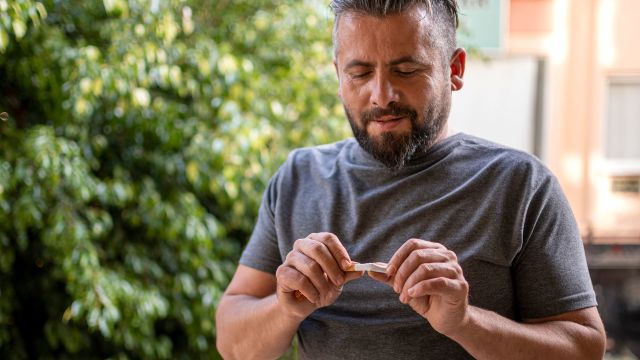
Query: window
x=622, y=126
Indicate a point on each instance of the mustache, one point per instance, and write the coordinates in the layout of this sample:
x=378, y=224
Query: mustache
x=395, y=110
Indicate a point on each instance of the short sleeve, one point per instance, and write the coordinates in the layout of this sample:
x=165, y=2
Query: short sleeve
x=261, y=252
x=551, y=274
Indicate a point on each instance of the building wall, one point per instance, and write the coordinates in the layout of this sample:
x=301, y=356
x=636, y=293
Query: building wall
x=586, y=43
x=503, y=112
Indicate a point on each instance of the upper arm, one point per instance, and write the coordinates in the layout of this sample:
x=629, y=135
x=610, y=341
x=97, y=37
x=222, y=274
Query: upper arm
x=587, y=317
x=591, y=332
x=252, y=282
x=550, y=270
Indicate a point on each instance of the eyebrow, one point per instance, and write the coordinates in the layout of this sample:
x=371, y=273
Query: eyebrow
x=407, y=59
x=402, y=60
x=356, y=63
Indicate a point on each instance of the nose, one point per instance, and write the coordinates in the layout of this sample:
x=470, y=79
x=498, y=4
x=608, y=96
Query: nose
x=383, y=92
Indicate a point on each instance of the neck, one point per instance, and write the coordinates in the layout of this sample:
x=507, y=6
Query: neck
x=446, y=132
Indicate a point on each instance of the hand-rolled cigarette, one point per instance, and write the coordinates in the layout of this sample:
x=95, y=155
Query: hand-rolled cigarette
x=379, y=267
x=375, y=267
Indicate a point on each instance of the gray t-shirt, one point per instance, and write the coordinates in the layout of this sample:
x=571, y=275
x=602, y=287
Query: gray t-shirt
x=500, y=210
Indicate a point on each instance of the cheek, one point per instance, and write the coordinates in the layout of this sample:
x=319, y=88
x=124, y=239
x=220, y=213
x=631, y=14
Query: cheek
x=352, y=96
x=353, y=87
x=433, y=93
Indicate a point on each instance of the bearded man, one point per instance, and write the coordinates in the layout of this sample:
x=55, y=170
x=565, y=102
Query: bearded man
x=483, y=258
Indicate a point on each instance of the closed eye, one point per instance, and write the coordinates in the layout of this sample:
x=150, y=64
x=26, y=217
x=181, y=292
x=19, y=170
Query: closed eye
x=360, y=75
x=406, y=72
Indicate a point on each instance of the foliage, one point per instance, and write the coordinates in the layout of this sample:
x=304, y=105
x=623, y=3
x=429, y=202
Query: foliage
x=141, y=134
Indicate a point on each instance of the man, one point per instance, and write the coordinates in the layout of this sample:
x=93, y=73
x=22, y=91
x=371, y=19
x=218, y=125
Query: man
x=484, y=256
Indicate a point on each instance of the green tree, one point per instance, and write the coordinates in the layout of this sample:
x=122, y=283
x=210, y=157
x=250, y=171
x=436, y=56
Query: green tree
x=139, y=138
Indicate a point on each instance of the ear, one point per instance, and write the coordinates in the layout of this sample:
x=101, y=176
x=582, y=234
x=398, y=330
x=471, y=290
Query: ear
x=335, y=66
x=457, y=64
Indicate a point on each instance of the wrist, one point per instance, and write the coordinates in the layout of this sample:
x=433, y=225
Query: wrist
x=465, y=326
x=291, y=313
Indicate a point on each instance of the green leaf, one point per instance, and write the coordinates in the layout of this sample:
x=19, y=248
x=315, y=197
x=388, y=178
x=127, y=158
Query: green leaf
x=4, y=40
x=19, y=28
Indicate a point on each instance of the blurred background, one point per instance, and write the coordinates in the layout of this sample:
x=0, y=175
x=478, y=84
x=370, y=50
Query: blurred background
x=137, y=136
x=561, y=79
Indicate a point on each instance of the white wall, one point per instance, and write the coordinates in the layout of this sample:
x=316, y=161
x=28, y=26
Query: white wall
x=497, y=101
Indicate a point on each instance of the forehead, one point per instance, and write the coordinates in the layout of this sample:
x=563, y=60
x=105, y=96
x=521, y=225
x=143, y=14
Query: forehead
x=402, y=34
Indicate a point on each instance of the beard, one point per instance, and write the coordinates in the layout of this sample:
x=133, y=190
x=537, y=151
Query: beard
x=394, y=150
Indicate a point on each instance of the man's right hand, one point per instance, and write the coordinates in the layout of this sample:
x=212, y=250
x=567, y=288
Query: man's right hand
x=316, y=268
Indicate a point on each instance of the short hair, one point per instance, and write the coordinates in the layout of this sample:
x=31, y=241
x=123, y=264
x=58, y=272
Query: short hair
x=443, y=12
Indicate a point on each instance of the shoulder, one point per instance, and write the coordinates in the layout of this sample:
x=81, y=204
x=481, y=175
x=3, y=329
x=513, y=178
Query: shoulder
x=306, y=162
x=502, y=156
x=319, y=153
x=492, y=149
x=319, y=158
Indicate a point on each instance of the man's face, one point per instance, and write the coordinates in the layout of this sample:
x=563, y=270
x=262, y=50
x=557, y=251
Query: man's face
x=394, y=84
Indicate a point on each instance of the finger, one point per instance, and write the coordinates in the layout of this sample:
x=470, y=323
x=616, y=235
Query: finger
x=320, y=253
x=291, y=280
x=414, y=301
x=312, y=270
x=453, y=289
x=415, y=258
x=352, y=275
x=427, y=271
x=336, y=248
x=403, y=252
x=420, y=304
x=381, y=277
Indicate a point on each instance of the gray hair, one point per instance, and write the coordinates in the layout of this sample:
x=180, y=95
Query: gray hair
x=444, y=13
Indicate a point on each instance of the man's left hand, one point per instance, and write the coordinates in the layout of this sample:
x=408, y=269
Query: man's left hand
x=428, y=278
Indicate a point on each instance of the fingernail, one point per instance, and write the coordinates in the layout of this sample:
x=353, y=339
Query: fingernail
x=403, y=299
x=345, y=264
x=339, y=280
x=412, y=292
x=396, y=288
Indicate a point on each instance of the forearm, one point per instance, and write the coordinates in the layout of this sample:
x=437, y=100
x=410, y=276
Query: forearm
x=253, y=328
x=491, y=336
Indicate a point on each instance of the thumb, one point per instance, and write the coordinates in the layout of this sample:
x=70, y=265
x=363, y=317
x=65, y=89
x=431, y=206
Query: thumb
x=353, y=275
